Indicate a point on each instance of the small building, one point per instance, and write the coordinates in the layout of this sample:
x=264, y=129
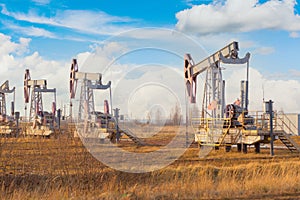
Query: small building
x=290, y=122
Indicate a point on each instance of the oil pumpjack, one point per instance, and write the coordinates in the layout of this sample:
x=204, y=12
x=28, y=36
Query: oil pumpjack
x=7, y=122
x=232, y=124
x=92, y=124
x=41, y=122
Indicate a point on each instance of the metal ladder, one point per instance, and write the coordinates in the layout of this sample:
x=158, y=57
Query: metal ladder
x=289, y=142
x=284, y=137
x=132, y=136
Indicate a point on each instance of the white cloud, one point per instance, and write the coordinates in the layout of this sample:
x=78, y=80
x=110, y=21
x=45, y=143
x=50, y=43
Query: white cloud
x=136, y=83
x=289, y=74
x=91, y=21
x=57, y=73
x=31, y=31
x=294, y=34
x=294, y=72
x=194, y=2
x=284, y=93
x=95, y=22
x=264, y=50
x=14, y=60
x=239, y=16
x=143, y=88
x=7, y=48
x=41, y=2
x=31, y=16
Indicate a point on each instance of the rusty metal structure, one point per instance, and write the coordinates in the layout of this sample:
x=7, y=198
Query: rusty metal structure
x=7, y=121
x=219, y=124
x=90, y=122
x=41, y=122
x=89, y=83
x=213, y=102
x=4, y=89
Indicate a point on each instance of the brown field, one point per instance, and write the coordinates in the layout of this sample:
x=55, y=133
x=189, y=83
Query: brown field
x=61, y=168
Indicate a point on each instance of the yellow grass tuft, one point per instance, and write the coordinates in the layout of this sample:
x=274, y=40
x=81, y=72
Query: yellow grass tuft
x=61, y=168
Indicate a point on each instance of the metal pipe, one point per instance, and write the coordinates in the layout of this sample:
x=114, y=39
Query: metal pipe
x=110, y=97
x=246, y=95
x=14, y=100
x=186, y=120
x=271, y=127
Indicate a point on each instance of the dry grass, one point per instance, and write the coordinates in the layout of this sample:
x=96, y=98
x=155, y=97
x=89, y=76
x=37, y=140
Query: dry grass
x=61, y=168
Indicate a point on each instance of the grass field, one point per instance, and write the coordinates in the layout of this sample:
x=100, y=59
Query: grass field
x=62, y=168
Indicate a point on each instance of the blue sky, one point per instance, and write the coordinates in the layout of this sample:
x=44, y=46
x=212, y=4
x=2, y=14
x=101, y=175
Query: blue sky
x=47, y=34
x=50, y=24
